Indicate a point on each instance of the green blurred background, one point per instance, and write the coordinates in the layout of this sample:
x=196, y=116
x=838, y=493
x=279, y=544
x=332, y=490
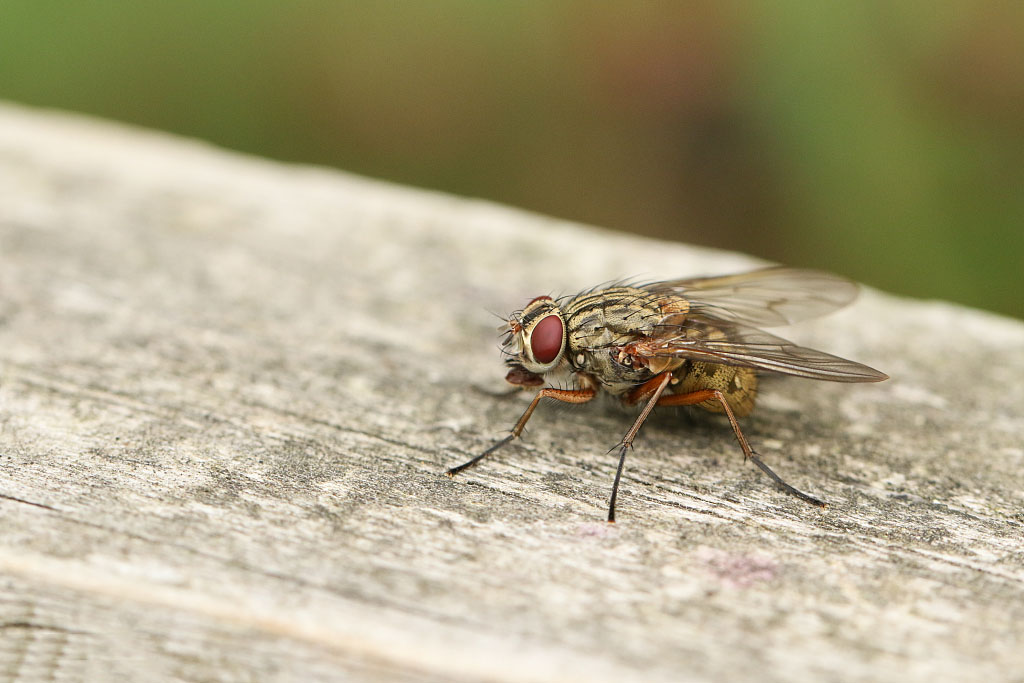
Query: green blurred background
x=881, y=140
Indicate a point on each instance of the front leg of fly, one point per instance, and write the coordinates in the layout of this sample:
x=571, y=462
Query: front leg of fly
x=582, y=395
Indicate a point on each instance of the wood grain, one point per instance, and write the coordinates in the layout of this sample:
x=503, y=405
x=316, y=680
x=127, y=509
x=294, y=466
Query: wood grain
x=229, y=390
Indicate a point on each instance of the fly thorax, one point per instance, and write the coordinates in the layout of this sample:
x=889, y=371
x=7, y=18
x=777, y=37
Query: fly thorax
x=615, y=376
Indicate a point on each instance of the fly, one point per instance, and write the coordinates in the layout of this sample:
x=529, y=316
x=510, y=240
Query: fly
x=691, y=342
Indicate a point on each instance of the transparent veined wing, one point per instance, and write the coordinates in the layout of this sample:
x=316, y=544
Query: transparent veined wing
x=731, y=343
x=768, y=297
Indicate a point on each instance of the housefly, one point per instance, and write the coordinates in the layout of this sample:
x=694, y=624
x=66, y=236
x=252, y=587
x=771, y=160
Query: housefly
x=692, y=342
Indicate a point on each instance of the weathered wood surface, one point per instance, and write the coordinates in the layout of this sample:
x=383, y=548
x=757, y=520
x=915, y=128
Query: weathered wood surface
x=229, y=389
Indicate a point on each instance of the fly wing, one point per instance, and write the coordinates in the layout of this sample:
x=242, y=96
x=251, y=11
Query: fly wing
x=768, y=297
x=729, y=343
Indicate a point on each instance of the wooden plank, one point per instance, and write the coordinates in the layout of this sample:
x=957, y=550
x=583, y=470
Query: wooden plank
x=229, y=390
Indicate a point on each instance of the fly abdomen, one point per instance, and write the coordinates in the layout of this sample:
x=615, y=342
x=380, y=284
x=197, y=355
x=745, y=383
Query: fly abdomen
x=737, y=384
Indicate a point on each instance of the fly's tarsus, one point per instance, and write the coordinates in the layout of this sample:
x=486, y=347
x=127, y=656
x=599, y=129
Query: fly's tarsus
x=469, y=463
x=756, y=459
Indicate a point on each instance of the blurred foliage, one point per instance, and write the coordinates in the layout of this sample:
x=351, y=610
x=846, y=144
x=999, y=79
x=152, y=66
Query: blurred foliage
x=881, y=140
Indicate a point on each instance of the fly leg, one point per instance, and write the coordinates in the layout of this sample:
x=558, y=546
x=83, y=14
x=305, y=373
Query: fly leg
x=695, y=397
x=653, y=389
x=564, y=395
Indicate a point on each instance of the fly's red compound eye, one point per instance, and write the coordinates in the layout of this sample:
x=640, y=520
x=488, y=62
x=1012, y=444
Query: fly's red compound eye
x=546, y=339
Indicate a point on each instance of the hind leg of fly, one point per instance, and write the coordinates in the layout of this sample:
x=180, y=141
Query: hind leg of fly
x=695, y=397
